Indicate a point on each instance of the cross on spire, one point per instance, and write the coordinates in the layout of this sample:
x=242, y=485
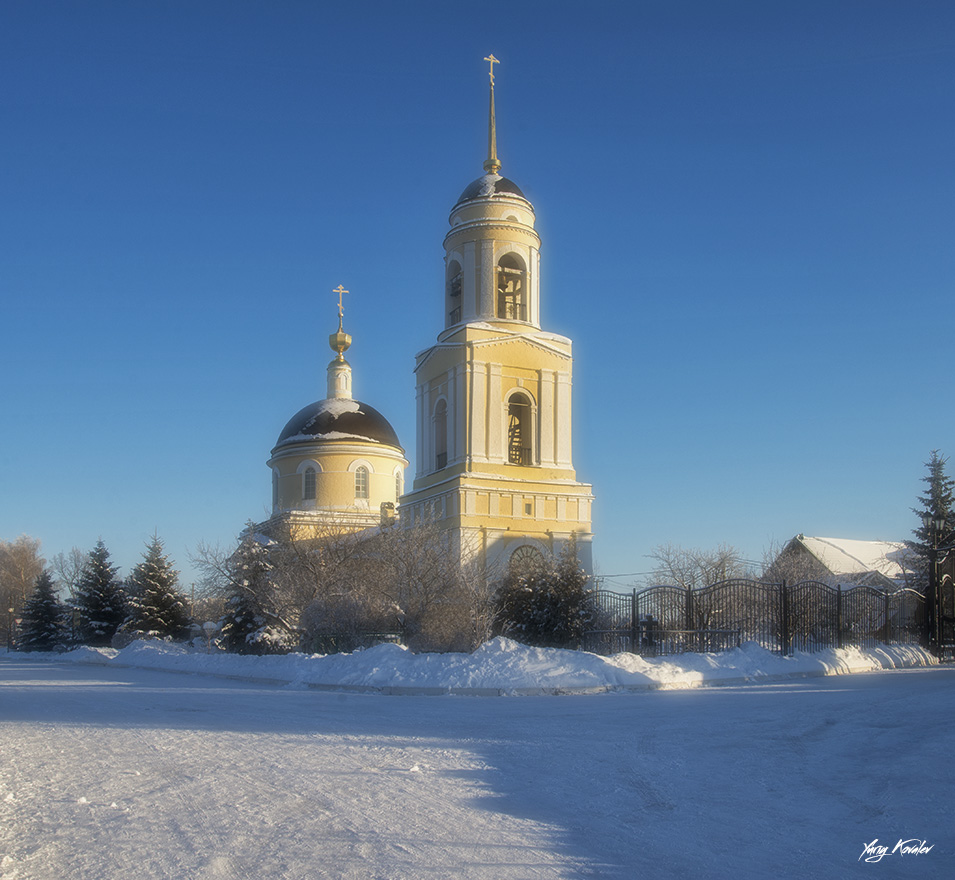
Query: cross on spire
x=341, y=311
x=492, y=164
x=339, y=341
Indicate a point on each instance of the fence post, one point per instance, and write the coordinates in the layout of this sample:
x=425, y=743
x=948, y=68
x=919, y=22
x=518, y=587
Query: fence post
x=785, y=635
x=886, y=626
x=839, y=616
x=634, y=624
x=688, y=612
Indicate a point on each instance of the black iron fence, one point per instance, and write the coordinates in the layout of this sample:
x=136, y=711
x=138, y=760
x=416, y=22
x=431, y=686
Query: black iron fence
x=808, y=616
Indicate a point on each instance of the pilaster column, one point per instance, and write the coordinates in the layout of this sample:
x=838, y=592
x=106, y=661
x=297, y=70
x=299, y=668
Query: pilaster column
x=423, y=432
x=548, y=416
x=494, y=414
x=564, y=415
x=488, y=304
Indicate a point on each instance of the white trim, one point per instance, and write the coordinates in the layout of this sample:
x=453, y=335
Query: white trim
x=357, y=465
x=521, y=389
x=337, y=447
x=302, y=470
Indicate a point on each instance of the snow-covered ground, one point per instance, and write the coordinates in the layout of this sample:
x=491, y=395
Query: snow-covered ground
x=113, y=770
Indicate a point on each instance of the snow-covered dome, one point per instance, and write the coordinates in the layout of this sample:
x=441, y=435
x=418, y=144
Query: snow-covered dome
x=489, y=186
x=338, y=419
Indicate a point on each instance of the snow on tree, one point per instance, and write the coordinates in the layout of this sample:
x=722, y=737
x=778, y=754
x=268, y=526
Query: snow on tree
x=99, y=598
x=938, y=503
x=546, y=603
x=251, y=623
x=155, y=607
x=44, y=625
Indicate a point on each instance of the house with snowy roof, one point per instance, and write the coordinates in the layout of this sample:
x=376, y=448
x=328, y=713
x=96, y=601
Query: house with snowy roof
x=881, y=564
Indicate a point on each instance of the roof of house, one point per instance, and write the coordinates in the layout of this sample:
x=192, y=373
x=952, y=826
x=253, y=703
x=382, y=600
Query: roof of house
x=848, y=556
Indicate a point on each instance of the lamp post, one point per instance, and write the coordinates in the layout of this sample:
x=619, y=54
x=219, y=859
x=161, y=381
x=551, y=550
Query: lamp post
x=10, y=613
x=209, y=629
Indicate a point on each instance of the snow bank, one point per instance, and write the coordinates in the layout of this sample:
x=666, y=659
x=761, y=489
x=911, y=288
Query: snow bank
x=502, y=666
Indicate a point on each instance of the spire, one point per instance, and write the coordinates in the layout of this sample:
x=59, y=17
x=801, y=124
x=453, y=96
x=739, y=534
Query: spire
x=339, y=371
x=491, y=164
x=341, y=340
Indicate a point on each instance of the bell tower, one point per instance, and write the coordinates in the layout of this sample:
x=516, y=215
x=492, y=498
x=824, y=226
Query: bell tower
x=494, y=392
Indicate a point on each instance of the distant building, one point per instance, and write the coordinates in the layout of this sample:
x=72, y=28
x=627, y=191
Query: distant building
x=882, y=564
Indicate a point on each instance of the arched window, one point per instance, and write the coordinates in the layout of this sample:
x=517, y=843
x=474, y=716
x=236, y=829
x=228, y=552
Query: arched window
x=308, y=484
x=525, y=561
x=441, y=434
x=511, y=293
x=454, y=278
x=519, y=442
x=398, y=485
x=361, y=482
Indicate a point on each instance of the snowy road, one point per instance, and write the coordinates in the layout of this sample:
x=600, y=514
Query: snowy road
x=123, y=773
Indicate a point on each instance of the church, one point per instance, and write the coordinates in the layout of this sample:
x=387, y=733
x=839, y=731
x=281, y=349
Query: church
x=337, y=464
x=493, y=459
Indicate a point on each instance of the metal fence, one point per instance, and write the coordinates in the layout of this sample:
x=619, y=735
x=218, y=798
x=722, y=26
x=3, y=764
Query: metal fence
x=808, y=616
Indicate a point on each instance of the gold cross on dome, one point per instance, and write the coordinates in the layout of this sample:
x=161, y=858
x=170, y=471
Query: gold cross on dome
x=340, y=290
x=493, y=61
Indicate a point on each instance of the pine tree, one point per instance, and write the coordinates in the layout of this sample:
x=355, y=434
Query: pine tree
x=548, y=604
x=251, y=624
x=44, y=626
x=937, y=503
x=100, y=600
x=156, y=608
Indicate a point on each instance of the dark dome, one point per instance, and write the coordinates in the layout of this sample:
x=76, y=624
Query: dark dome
x=489, y=186
x=338, y=419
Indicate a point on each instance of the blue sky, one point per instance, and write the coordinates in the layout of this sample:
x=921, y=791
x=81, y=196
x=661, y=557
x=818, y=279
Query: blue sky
x=747, y=220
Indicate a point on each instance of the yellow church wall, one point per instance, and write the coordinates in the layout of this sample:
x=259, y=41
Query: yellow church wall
x=551, y=507
x=335, y=476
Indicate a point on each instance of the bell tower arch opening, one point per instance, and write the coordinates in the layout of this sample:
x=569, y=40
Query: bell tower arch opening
x=520, y=431
x=511, y=287
x=453, y=297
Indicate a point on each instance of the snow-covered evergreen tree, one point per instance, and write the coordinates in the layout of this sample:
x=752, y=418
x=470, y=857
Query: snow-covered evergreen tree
x=938, y=502
x=155, y=607
x=251, y=624
x=100, y=599
x=44, y=625
x=547, y=604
